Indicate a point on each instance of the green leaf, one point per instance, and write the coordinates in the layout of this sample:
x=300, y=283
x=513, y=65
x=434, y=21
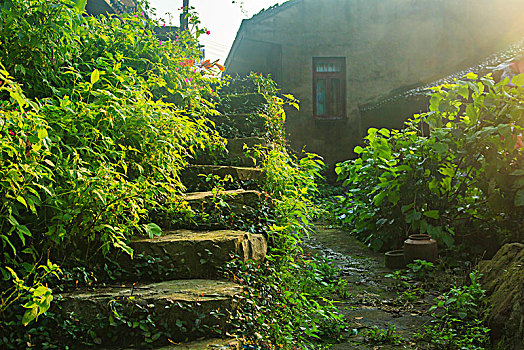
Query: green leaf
x=42, y=134
x=152, y=230
x=385, y=132
x=95, y=76
x=518, y=172
x=423, y=226
x=358, y=150
x=440, y=147
x=394, y=197
x=22, y=200
x=30, y=315
x=80, y=5
x=448, y=240
x=405, y=208
x=463, y=91
x=434, y=214
x=518, y=80
x=379, y=198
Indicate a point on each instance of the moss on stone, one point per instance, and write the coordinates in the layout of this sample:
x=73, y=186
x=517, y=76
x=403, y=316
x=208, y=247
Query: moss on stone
x=504, y=282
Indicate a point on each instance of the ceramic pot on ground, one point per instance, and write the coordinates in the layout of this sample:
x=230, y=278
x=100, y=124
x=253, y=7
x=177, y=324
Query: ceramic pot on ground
x=420, y=247
x=394, y=259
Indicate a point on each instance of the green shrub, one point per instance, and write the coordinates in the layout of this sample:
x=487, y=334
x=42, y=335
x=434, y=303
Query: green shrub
x=276, y=310
x=112, y=115
x=458, y=324
x=383, y=336
x=462, y=182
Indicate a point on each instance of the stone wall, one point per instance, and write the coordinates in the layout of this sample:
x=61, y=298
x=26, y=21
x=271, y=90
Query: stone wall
x=389, y=45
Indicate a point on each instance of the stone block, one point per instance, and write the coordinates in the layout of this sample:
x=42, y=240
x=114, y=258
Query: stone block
x=184, y=309
x=195, y=177
x=235, y=199
x=503, y=279
x=215, y=344
x=238, y=151
x=189, y=254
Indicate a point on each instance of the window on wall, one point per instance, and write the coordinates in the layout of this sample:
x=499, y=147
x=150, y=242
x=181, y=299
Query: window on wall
x=329, y=87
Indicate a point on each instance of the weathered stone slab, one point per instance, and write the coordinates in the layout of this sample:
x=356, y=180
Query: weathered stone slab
x=184, y=309
x=195, y=177
x=189, y=254
x=234, y=198
x=243, y=210
x=237, y=152
x=215, y=344
x=504, y=282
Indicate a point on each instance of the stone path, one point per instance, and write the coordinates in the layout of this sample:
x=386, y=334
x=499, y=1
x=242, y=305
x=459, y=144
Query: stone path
x=373, y=299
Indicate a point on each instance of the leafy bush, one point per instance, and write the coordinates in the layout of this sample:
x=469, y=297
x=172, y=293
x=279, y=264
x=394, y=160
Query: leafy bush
x=293, y=183
x=461, y=182
x=458, y=324
x=383, y=336
x=97, y=117
x=276, y=312
x=285, y=302
x=112, y=115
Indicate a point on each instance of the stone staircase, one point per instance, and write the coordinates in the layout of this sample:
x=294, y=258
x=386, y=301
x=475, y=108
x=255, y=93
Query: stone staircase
x=172, y=285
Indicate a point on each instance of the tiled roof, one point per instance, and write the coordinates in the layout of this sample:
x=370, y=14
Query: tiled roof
x=264, y=13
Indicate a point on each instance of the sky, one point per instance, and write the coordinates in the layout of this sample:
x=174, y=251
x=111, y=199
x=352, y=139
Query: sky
x=221, y=17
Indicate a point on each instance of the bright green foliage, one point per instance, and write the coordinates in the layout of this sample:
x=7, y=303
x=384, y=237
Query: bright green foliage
x=383, y=336
x=293, y=183
x=111, y=116
x=261, y=109
x=458, y=312
x=286, y=303
x=97, y=117
x=421, y=270
x=461, y=180
x=277, y=310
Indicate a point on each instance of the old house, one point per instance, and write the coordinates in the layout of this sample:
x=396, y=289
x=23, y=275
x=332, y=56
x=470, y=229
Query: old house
x=338, y=57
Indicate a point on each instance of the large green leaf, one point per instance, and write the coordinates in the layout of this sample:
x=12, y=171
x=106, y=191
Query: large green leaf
x=80, y=5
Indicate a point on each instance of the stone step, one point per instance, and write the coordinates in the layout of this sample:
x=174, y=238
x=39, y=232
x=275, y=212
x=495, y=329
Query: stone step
x=234, y=125
x=239, y=152
x=242, y=103
x=206, y=344
x=185, y=254
x=212, y=344
x=125, y=316
x=223, y=210
x=205, y=177
x=245, y=210
x=239, y=198
x=243, y=151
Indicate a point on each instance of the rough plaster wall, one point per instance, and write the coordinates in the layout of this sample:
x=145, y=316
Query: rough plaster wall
x=388, y=45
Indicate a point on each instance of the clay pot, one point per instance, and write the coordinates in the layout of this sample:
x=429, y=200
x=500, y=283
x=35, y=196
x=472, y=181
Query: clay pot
x=420, y=246
x=394, y=259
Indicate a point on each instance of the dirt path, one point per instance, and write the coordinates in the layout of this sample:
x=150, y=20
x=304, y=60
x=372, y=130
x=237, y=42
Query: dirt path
x=373, y=299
